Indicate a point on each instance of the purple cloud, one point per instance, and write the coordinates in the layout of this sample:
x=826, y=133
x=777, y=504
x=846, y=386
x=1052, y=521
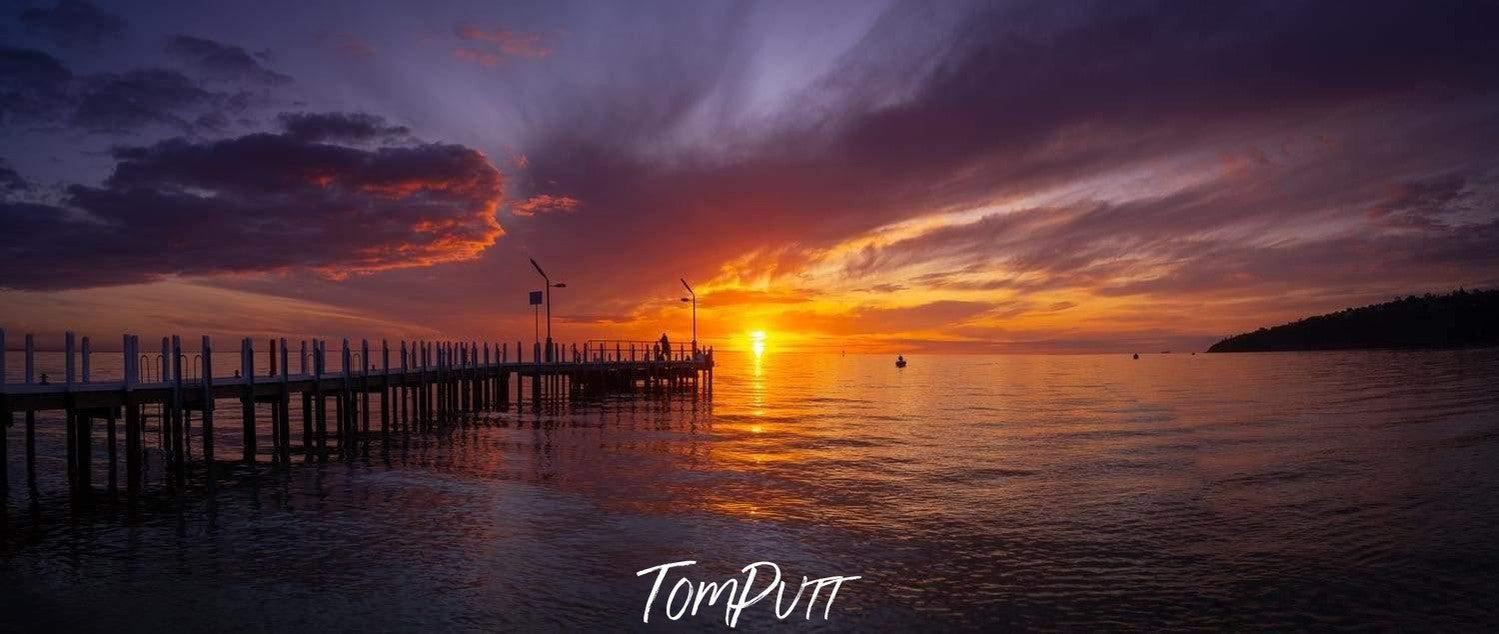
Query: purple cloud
x=255, y=204
x=73, y=22
x=222, y=61
x=347, y=127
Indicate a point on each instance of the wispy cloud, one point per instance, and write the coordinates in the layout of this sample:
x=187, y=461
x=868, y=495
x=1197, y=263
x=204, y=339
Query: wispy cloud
x=512, y=43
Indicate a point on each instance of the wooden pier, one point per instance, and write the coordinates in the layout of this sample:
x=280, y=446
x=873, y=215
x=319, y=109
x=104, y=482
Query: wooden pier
x=417, y=385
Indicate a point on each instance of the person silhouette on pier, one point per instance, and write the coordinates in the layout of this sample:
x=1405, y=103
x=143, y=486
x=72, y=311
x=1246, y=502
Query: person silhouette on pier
x=665, y=348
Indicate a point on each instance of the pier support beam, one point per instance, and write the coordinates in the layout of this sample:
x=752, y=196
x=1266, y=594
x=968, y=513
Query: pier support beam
x=283, y=404
x=131, y=346
x=247, y=398
x=384, y=387
x=208, y=448
x=30, y=417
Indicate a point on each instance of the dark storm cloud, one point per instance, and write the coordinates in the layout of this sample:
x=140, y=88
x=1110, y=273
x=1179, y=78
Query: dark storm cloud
x=10, y=181
x=38, y=90
x=1020, y=98
x=139, y=98
x=354, y=127
x=257, y=203
x=72, y=23
x=222, y=61
x=34, y=86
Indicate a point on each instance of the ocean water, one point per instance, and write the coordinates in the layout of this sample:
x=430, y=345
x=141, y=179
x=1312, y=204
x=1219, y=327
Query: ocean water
x=1250, y=491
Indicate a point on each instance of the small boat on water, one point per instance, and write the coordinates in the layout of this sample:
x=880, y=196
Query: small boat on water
x=900, y=362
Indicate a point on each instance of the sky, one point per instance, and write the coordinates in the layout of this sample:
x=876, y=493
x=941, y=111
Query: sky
x=939, y=177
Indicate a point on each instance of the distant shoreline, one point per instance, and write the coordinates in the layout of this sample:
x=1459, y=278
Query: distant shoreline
x=1458, y=320
x=1365, y=349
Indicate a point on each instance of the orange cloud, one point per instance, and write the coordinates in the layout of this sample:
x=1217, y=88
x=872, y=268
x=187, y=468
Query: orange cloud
x=735, y=296
x=545, y=203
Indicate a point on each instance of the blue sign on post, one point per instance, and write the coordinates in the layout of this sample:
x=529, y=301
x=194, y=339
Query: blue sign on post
x=535, y=298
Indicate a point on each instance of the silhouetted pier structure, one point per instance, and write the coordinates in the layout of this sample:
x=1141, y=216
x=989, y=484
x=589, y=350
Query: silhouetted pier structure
x=418, y=386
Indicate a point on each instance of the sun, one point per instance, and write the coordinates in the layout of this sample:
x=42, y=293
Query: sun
x=757, y=342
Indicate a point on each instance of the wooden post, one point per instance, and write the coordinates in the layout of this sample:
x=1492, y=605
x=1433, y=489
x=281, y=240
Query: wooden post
x=401, y=389
x=412, y=380
x=496, y=400
x=536, y=378
x=283, y=403
x=319, y=403
x=306, y=403
x=384, y=387
x=85, y=437
x=418, y=371
x=6, y=420
x=179, y=406
x=520, y=377
x=112, y=450
x=164, y=376
x=421, y=401
x=470, y=354
x=485, y=396
x=340, y=410
x=270, y=371
x=71, y=416
x=424, y=379
x=30, y=417
x=131, y=345
x=428, y=350
x=208, y=406
x=416, y=380
x=364, y=385
x=442, y=375
x=349, y=404
x=247, y=398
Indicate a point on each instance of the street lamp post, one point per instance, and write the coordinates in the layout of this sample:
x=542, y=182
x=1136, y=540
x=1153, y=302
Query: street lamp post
x=549, y=287
x=694, y=313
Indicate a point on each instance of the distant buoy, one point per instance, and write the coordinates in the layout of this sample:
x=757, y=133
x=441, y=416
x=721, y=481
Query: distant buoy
x=1137, y=355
